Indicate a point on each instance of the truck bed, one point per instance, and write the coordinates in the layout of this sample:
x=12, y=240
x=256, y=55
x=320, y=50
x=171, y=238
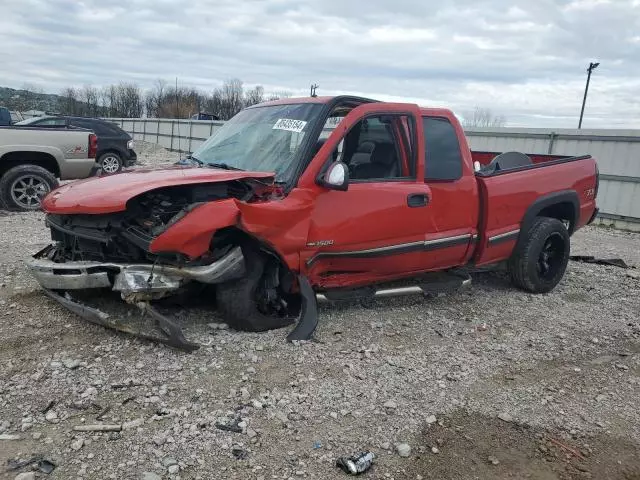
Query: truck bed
x=506, y=193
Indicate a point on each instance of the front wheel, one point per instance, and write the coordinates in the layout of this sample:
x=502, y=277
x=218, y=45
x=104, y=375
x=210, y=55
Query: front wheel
x=540, y=261
x=256, y=302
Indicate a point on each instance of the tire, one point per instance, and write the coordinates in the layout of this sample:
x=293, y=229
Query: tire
x=539, y=263
x=23, y=187
x=110, y=163
x=237, y=302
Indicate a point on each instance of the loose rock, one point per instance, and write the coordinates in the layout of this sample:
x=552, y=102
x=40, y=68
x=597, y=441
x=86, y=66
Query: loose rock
x=150, y=476
x=77, y=444
x=51, y=416
x=26, y=476
x=403, y=449
x=505, y=417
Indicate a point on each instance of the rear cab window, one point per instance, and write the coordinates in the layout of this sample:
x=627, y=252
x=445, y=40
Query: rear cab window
x=51, y=122
x=443, y=157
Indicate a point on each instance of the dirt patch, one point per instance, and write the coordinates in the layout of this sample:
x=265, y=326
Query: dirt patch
x=473, y=446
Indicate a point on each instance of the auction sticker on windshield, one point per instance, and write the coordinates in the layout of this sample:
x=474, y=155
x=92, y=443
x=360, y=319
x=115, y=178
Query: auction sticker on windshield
x=290, y=125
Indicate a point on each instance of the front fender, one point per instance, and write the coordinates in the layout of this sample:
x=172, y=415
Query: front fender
x=192, y=234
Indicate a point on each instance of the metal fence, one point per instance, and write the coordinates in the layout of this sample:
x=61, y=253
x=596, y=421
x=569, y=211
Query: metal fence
x=176, y=135
x=617, y=153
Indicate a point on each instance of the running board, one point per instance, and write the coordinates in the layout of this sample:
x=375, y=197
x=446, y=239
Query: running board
x=445, y=283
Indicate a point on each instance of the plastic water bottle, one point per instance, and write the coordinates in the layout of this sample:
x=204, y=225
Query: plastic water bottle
x=356, y=464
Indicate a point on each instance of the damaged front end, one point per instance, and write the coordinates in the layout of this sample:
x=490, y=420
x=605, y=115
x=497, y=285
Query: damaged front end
x=138, y=284
x=113, y=251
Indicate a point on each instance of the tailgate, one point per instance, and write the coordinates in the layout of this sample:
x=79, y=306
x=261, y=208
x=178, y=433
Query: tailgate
x=508, y=198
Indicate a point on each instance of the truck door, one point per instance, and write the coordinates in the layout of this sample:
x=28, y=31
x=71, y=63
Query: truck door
x=381, y=226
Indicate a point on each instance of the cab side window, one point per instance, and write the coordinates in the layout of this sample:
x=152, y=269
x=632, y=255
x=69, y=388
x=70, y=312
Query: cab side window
x=376, y=148
x=443, y=158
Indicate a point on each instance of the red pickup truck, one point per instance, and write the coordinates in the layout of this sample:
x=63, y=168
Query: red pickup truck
x=274, y=212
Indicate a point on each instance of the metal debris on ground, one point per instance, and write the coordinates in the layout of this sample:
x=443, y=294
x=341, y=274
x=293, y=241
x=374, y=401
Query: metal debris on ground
x=229, y=427
x=49, y=406
x=42, y=464
x=104, y=411
x=239, y=453
x=356, y=464
x=614, y=262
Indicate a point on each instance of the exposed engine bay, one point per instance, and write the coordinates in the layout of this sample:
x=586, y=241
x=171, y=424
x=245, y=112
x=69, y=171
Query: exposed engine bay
x=126, y=236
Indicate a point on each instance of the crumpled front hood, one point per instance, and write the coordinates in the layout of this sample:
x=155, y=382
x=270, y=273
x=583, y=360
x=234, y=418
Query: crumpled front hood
x=111, y=193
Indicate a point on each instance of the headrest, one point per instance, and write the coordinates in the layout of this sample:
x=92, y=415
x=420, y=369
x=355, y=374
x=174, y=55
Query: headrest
x=384, y=153
x=366, y=147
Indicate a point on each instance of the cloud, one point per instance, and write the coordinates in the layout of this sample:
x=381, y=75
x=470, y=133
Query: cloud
x=525, y=60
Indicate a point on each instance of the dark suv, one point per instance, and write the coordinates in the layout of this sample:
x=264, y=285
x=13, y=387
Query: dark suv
x=115, y=146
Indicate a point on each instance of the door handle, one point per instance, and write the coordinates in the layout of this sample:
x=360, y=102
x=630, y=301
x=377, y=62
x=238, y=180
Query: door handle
x=417, y=200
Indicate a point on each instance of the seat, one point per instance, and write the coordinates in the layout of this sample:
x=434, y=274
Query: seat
x=383, y=163
x=506, y=161
x=362, y=155
x=366, y=147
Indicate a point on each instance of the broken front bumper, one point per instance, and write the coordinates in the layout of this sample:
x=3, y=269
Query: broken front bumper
x=131, y=278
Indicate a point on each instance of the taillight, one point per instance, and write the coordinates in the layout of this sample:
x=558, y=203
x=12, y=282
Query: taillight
x=93, y=145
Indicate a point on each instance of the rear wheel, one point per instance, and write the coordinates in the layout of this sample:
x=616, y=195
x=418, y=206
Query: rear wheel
x=110, y=163
x=23, y=187
x=257, y=303
x=540, y=262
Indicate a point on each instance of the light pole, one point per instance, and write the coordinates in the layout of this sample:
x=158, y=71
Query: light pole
x=592, y=67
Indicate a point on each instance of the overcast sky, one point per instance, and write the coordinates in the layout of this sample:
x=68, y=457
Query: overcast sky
x=526, y=60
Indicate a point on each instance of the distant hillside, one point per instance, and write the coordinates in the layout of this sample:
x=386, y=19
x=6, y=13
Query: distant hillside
x=23, y=100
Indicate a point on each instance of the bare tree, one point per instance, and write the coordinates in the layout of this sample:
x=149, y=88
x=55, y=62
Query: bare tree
x=483, y=117
x=155, y=98
x=231, y=98
x=278, y=95
x=254, y=96
x=89, y=98
x=69, y=103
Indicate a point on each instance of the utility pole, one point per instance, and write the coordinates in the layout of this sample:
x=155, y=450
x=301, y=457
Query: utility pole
x=592, y=67
x=314, y=87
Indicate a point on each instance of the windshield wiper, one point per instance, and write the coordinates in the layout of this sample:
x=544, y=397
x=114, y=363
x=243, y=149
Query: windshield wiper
x=224, y=166
x=194, y=159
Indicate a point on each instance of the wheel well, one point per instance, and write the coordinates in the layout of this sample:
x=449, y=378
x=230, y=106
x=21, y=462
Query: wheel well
x=564, y=211
x=236, y=236
x=44, y=160
x=109, y=150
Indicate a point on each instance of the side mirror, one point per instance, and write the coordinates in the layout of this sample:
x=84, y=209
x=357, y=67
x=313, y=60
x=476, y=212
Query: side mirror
x=337, y=176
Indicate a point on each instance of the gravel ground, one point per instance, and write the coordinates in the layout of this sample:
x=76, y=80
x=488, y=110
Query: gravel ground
x=153, y=155
x=486, y=383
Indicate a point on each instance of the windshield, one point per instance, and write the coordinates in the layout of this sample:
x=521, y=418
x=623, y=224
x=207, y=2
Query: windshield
x=265, y=139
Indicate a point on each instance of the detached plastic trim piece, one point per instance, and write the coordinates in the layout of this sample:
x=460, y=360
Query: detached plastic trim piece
x=308, y=313
x=174, y=336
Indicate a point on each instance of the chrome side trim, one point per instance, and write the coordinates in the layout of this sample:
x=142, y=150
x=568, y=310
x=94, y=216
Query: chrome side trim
x=504, y=237
x=426, y=245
